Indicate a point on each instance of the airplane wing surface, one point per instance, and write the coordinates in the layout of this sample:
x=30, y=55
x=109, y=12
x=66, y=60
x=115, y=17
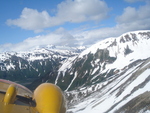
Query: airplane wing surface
x=22, y=102
x=46, y=98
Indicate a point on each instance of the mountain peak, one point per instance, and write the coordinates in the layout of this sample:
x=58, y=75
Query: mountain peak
x=118, y=44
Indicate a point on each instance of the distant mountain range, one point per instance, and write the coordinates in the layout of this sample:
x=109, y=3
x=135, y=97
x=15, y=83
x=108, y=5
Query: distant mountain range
x=112, y=76
x=35, y=63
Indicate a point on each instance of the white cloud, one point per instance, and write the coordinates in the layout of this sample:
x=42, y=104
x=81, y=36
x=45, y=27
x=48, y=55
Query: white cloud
x=131, y=19
x=74, y=11
x=134, y=19
x=31, y=19
x=59, y=37
x=82, y=10
x=129, y=15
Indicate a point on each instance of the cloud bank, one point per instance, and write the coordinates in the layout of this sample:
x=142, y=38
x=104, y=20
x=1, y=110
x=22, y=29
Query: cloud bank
x=73, y=11
x=131, y=19
x=59, y=37
x=135, y=19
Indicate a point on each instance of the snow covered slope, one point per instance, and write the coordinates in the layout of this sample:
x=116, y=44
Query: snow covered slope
x=105, y=59
x=125, y=92
x=129, y=47
x=112, y=76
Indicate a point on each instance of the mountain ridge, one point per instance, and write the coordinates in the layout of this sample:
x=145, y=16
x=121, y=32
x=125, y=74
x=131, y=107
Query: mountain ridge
x=102, y=60
x=114, y=71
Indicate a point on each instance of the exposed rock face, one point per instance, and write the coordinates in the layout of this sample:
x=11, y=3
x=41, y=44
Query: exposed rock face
x=139, y=104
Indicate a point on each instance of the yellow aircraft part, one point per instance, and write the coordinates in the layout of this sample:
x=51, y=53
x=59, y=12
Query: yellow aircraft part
x=49, y=99
x=10, y=95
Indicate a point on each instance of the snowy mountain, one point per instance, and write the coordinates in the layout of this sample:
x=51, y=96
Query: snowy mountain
x=126, y=91
x=111, y=76
x=104, y=59
x=33, y=64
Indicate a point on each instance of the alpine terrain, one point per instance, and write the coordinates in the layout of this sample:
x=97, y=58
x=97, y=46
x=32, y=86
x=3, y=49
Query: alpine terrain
x=112, y=76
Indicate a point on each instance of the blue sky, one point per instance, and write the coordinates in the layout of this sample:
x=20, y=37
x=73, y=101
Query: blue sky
x=25, y=24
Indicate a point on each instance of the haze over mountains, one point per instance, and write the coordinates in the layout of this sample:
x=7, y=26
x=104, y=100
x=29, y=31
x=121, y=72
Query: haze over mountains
x=111, y=76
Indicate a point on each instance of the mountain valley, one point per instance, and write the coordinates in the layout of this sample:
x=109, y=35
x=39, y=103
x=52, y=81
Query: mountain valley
x=111, y=76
